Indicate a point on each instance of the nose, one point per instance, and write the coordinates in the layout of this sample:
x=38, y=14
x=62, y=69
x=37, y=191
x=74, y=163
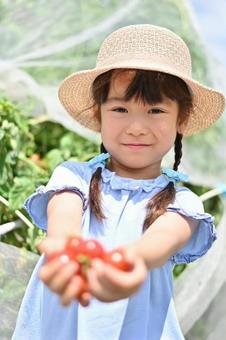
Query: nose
x=137, y=127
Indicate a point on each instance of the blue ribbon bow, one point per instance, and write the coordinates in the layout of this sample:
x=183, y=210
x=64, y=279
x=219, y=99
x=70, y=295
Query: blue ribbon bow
x=99, y=159
x=175, y=176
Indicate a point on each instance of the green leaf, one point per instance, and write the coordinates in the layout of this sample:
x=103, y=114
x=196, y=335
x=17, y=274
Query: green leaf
x=2, y=133
x=54, y=157
x=22, y=188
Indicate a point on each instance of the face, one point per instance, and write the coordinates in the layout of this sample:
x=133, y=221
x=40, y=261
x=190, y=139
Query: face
x=136, y=134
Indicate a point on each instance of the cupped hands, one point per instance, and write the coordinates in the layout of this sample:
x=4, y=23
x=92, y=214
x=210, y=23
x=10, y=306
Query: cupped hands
x=101, y=279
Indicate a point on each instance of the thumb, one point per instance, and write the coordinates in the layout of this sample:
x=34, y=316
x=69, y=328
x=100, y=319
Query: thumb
x=130, y=258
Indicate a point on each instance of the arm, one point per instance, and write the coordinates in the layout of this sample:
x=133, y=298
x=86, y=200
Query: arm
x=162, y=240
x=64, y=213
x=167, y=234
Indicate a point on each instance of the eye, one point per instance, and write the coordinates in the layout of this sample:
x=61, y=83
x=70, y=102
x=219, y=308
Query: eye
x=156, y=111
x=119, y=109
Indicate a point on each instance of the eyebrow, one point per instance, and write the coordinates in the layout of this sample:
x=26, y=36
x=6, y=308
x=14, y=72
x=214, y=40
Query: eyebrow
x=112, y=99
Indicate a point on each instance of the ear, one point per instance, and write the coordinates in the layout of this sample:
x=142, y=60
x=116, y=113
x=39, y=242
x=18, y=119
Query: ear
x=181, y=128
x=96, y=113
x=97, y=117
x=181, y=125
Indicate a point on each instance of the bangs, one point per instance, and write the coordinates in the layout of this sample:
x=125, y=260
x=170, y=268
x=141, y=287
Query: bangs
x=146, y=86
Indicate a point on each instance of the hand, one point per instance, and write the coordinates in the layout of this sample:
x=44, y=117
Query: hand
x=108, y=284
x=60, y=274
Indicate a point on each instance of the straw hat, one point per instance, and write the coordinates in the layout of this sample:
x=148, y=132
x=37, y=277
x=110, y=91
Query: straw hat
x=144, y=47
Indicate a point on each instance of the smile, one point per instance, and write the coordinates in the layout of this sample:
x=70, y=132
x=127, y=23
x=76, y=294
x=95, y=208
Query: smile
x=136, y=146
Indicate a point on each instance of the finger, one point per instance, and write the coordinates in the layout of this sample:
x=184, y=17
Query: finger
x=100, y=282
x=63, y=276
x=72, y=290
x=112, y=277
x=48, y=270
x=85, y=299
x=129, y=257
x=96, y=289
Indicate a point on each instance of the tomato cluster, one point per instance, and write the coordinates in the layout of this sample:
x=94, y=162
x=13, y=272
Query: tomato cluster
x=84, y=251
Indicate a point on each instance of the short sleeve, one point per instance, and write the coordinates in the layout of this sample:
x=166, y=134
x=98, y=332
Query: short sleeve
x=66, y=176
x=189, y=204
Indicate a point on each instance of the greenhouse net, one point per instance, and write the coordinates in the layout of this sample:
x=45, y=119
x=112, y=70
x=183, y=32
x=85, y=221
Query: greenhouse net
x=43, y=41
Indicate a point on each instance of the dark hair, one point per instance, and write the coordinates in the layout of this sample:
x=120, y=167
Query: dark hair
x=148, y=86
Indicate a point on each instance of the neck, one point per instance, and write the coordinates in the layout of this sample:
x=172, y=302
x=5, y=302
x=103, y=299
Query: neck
x=136, y=173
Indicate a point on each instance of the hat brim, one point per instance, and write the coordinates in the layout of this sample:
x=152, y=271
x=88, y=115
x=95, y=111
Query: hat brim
x=76, y=96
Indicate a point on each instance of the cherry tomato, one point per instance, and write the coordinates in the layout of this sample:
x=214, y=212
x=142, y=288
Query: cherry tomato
x=59, y=254
x=94, y=249
x=116, y=258
x=75, y=246
x=83, y=251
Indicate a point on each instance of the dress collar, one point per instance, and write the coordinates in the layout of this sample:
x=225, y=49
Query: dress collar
x=118, y=182
x=147, y=185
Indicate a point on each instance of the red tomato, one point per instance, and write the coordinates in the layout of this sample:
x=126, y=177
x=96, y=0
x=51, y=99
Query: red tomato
x=75, y=246
x=83, y=251
x=58, y=254
x=94, y=249
x=116, y=258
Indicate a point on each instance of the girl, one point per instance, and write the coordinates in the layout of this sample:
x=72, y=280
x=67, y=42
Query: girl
x=142, y=99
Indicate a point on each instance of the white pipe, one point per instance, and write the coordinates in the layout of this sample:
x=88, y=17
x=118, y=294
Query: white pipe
x=7, y=227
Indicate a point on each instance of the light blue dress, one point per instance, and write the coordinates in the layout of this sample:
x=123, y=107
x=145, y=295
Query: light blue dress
x=147, y=315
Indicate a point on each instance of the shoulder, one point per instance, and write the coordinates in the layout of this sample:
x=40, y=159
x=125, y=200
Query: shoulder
x=187, y=200
x=68, y=175
x=74, y=168
x=188, y=204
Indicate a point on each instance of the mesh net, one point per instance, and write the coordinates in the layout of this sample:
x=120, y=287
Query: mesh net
x=44, y=41
x=38, y=50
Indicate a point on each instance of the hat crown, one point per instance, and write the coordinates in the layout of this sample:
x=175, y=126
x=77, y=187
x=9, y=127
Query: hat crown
x=146, y=46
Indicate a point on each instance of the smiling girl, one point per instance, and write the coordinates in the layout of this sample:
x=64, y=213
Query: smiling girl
x=142, y=99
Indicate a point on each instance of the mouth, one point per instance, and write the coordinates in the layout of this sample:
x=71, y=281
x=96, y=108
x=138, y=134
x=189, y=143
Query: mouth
x=136, y=146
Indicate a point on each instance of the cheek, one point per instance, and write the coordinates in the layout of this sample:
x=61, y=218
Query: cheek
x=108, y=129
x=111, y=125
x=166, y=131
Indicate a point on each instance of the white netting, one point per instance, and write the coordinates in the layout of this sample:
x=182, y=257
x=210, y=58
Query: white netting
x=44, y=41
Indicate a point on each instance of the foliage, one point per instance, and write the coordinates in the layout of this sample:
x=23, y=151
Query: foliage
x=17, y=144
x=29, y=153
